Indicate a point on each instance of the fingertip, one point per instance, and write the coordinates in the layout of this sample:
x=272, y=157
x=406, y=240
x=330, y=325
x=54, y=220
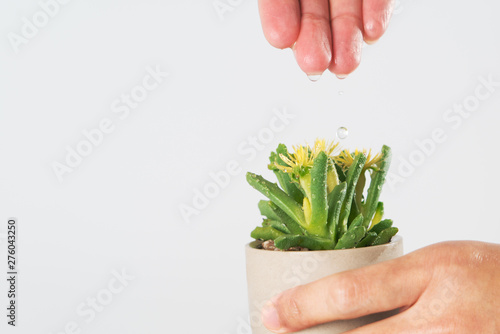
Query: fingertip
x=280, y=21
x=292, y=309
x=376, y=17
x=370, y=42
x=280, y=37
x=313, y=50
x=347, y=47
x=373, y=30
x=312, y=63
x=271, y=318
x=344, y=63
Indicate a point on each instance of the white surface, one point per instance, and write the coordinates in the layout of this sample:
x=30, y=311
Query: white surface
x=120, y=207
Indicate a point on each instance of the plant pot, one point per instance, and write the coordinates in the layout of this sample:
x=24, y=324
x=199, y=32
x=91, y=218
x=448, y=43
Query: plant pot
x=271, y=272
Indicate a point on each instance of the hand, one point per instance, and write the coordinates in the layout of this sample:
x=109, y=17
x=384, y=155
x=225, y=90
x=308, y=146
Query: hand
x=451, y=287
x=325, y=34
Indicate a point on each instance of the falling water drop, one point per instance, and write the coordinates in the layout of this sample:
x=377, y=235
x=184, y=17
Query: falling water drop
x=314, y=77
x=342, y=132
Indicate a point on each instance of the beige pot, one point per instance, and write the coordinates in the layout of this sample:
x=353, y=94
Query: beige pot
x=271, y=272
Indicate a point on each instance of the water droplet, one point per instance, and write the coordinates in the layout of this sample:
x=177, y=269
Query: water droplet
x=342, y=132
x=314, y=77
x=341, y=92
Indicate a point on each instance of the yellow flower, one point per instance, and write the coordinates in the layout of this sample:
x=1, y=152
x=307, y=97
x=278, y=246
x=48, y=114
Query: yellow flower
x=303, y=156
x=321, y=145
x=345, y=158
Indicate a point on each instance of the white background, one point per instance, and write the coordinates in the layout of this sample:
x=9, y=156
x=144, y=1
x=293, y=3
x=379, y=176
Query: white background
x=119, y=209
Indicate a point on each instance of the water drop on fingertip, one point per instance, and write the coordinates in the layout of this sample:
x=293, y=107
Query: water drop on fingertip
x=314, y=77
x=342, y=132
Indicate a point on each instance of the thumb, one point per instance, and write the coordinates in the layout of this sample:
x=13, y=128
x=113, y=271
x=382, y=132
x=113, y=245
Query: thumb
x=351, y=294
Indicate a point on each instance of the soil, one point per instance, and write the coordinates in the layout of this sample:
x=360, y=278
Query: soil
x=269, y=245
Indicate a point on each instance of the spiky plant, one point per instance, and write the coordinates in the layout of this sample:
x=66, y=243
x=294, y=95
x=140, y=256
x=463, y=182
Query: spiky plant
x=319, y=202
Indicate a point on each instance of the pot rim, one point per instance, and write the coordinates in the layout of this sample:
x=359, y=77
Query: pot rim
x=395, y=239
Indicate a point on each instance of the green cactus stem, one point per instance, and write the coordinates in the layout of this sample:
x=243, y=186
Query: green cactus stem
x=352, y=179
x=311, y=242
x=278, y=196
x=291, y=224
x=277, y=225
x=266, y=211
x=377, y=181
x=318, y=203
x=284, y=179
x=385, y=236
x=367, y=240
x=386, y=223
x=335, y=202
x=379, y=214
x=266, y=233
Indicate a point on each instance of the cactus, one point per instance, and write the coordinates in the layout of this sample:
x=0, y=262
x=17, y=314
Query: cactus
x=319, y=202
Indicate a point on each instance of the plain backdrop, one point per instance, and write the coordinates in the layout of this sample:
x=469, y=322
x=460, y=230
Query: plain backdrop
x=119, y=209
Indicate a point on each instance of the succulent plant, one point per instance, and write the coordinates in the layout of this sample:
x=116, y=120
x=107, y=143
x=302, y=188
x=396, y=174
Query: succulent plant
x=319, y=203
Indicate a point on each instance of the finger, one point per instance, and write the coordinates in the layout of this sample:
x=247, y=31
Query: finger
x=376, y=17
x=347, y=32
x=351, y=294
x=402, y=323
x=313, y=50
x=280, y=21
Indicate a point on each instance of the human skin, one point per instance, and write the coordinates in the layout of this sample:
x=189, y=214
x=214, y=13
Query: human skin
x=450, y=287
x=325, y=34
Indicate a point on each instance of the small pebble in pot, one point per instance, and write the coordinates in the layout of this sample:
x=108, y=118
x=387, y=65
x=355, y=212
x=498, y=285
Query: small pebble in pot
x=269, y=245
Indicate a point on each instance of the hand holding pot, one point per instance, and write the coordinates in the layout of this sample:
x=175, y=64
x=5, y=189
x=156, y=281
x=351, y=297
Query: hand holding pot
x=325, y=34
x=451, y=287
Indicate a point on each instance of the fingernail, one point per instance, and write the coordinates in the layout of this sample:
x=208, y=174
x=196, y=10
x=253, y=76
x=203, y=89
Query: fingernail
x=314, y=77
x=270, y=317
x=341, y=76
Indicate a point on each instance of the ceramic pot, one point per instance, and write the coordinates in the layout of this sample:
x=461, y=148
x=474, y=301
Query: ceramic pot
x=271, y=272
